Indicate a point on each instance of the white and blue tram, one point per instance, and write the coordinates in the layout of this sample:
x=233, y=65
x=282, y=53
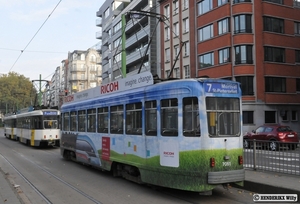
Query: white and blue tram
x=183, y=134
x=10, y=126
x=39, y=127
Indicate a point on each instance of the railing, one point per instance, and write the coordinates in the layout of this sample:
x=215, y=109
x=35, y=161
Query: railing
x=286, y=159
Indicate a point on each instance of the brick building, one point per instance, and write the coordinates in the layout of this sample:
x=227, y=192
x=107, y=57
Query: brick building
x=254, y=42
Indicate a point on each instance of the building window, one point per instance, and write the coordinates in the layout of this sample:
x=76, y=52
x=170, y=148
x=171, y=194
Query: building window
x=168, y=73
x=297, y=3
x=270, y=116
x=176, y=29
x=224, y=55
x=117, y=27
x=205, y=33
x=176, y=50
x=246, y=85
x=222, y=2
x=167, y=55
x=167, y=11
x=248, y=117
x=176, y=8
x=297, y=56
x=294, y=116
x=206, y=60
x=240, y=1
x=273, y=24
x=297, y=28
x=242, y=24
x=187, y=71
x=275, y=1
x=177, y=72
x=185, y=4
x=106, y=13
x=243, y=54
x=284, y=115
x=185, y=26
x=117, y=42
x=186, y=49
x=204, y=6
x=167, y=33
x=298, y=85
x=275, y=84
x=273, y=54
x=223, y=26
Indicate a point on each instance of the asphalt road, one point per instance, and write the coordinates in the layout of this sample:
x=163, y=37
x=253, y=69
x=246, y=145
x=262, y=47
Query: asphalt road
x=45, y=177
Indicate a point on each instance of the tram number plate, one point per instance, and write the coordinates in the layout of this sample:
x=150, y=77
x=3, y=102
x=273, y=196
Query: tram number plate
x=226, y=163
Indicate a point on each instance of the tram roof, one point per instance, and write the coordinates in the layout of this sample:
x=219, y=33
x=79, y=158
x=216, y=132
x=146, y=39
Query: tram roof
x=129, y=85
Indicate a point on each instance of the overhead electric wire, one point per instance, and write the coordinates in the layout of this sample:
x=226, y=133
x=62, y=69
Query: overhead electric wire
x=1, y=48
x=34, y=35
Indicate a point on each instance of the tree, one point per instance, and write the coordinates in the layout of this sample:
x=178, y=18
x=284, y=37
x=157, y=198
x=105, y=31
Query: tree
x=16, y=92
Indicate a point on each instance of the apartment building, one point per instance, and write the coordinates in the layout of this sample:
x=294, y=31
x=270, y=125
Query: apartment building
x=254, y=42
x=125, y=38
x=84, y=70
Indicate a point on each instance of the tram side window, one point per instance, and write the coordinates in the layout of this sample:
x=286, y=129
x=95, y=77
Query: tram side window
x=223, y=116
x=151, y=118
x=36, y=122
x=169, y=117
x=134, y=118
x=116, y=119
x=103, y=120
x=66, y=120
x=81, y=120
x=91, y=120
x=191, y=121
x=27, y=124
x=73, y=122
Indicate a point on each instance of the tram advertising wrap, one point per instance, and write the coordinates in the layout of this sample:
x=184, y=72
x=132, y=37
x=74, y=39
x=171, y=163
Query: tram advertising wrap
x=182, y=134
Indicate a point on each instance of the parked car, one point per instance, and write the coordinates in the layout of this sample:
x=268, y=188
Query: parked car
x=277, y=135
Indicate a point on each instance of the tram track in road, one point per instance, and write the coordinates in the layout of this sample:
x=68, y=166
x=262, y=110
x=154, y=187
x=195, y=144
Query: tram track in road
x=37, y=173
x=35, y=188
x=167, y=192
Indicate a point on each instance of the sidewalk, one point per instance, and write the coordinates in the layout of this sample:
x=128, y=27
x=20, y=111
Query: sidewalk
x=8, y=192
x=255, y=181
x=267, y=182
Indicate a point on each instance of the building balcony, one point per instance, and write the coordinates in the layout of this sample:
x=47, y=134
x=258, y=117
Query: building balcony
x=99, y=22
x=99, y=35
x=136, y=56
x=75, y=68
x=98, y=47
x=99, y=13
x=137, y=37
x=105, y=54
x=77, y=78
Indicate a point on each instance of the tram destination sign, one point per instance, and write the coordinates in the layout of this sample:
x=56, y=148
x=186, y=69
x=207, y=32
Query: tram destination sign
x=131, y=82
x=222, y=88
x=49, y=113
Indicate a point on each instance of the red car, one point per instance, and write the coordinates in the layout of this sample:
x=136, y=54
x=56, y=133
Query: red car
x=277, y=135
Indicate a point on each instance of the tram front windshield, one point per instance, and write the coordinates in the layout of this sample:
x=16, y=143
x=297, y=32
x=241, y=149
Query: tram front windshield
x=223, y=116
x=50, y=122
